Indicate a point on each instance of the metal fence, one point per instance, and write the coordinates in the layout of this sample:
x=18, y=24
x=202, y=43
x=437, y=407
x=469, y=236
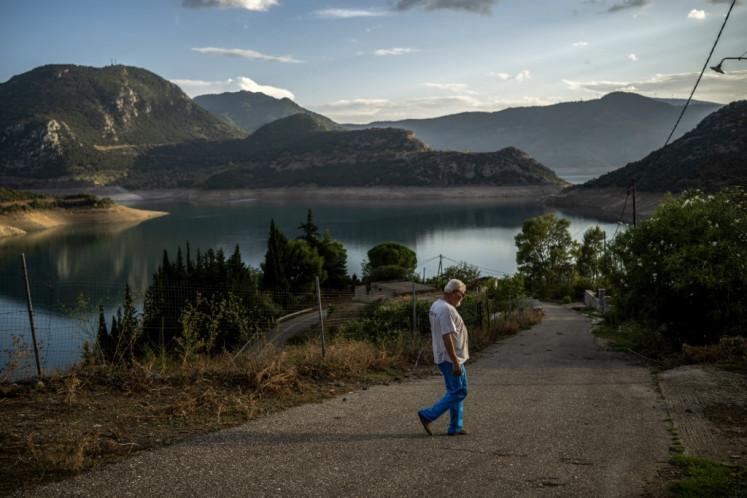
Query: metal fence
x=64, y=317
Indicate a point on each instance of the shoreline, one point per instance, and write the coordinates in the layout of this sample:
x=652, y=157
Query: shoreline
x=22, y=222
x=510, y=193
x=603, y=203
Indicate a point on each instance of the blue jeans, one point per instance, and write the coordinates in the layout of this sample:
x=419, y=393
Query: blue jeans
x=453, y=400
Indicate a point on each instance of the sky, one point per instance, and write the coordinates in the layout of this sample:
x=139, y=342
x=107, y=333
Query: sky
x=372, y=60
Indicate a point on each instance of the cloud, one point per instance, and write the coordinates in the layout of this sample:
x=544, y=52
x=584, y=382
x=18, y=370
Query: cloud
x=200, y=87
x=722, y=88
x=362, y=111
x=261, y=5
x=452, y=87
x=520, y=76
x=697, y=14
x=347, y=13
x=394, y=51
x=633, y=57
x=246, y=54
x=477, y=6
x=630, y=4
x=581, y=44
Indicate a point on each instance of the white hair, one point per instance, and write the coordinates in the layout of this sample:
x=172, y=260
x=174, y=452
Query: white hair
x=454, y=285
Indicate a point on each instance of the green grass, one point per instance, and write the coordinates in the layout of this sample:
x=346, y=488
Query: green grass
x=706, y=478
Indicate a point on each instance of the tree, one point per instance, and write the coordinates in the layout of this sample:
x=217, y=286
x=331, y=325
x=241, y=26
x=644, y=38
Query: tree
x=591, y=255
x=310, y=230
x=462, y=271
x=335, y=261
x=546, y=254
x=302, y=265
x=390, y=261
x=684, y=270
x=274, y=266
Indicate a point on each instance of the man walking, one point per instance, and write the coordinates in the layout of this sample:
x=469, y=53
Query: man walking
x=450, y=351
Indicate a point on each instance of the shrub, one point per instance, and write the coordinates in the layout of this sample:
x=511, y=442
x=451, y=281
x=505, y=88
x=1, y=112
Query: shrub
x=684, y=271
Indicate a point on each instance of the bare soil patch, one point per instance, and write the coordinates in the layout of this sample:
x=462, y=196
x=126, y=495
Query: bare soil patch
x=708, y=407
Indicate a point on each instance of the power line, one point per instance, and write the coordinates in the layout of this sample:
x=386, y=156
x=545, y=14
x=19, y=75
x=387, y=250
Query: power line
x=687, y=103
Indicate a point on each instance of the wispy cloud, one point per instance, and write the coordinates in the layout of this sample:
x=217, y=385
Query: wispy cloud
x=394, y=51
x=520, y=76
x=347, y=13
x=452, y=87
x=713, y=87
x=477, y=6
x=697, y=14
x=194, y=88
x=633, y=57
x=363, y=111
x=246, y=54
x=260, y=5
x=581, y=44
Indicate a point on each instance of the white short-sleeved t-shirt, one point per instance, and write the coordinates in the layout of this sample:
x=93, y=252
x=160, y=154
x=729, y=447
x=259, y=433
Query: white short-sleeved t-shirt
x=445, y=319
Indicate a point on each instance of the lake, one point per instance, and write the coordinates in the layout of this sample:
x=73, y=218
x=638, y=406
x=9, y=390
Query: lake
x=95, y=262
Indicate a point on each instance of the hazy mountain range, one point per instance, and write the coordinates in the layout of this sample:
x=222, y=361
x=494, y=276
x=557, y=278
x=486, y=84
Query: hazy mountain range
x=118, y=125
x=572, y=138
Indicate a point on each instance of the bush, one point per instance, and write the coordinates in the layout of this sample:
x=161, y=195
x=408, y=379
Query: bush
x=731, y=350
x=684, y=271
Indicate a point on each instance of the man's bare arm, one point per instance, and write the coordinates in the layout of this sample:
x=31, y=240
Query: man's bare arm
x=456, y=368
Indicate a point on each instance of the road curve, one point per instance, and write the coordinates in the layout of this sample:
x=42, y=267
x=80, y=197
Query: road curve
x=551, y=414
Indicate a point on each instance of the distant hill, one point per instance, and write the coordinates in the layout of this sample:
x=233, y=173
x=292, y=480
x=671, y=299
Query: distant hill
x=591, y=137
x=76, y=123
x=305, y=150
x=249, y=111
x=710, y=157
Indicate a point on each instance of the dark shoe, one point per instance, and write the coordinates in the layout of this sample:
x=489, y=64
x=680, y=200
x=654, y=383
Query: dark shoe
x=463, y=432
x=426, y=424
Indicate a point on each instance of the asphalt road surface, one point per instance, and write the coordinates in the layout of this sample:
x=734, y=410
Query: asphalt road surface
x=551, y=414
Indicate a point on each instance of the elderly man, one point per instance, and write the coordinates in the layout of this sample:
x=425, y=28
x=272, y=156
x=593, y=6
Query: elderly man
x=450, y=351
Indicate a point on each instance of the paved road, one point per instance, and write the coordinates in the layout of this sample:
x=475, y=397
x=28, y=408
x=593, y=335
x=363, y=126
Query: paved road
x=551, y=414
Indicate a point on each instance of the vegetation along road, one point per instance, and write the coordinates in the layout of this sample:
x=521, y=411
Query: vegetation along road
x=551, y=414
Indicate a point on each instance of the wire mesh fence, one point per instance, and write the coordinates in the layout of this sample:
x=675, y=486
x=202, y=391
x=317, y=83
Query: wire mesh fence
x=68, y=319
x=120, y=320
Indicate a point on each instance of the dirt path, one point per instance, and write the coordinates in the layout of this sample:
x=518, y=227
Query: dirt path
x=551, y=414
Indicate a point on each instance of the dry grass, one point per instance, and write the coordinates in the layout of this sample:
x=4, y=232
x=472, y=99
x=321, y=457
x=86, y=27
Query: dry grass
x=65, y=424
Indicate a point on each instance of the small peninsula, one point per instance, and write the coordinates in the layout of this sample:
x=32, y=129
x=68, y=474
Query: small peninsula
x=22, y=212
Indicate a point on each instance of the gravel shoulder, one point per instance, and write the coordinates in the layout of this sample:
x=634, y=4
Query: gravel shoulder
x=551, y=414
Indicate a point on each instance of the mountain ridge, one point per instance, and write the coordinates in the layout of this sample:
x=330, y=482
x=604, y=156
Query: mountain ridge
x=588, y=137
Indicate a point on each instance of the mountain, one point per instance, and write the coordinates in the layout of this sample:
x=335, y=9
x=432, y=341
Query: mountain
x=710, y=157
x=305, y=150
x=250, y=111
x=590, y=137
x=76, y=123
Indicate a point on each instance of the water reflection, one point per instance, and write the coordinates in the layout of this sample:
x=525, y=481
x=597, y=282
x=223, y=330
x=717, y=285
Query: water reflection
x=93, y=263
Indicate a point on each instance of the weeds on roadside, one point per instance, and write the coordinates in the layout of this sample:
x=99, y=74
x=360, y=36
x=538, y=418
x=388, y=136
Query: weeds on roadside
x=706, y=478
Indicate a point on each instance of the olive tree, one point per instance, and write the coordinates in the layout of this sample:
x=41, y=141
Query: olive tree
x=546, y=254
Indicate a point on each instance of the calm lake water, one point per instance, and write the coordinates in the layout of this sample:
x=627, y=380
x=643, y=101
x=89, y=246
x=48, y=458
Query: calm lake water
x=96, y=261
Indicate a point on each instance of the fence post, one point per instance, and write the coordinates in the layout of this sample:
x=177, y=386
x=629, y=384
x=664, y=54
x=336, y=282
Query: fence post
x=321, y=315
x=31, y=314
x=414, y=312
